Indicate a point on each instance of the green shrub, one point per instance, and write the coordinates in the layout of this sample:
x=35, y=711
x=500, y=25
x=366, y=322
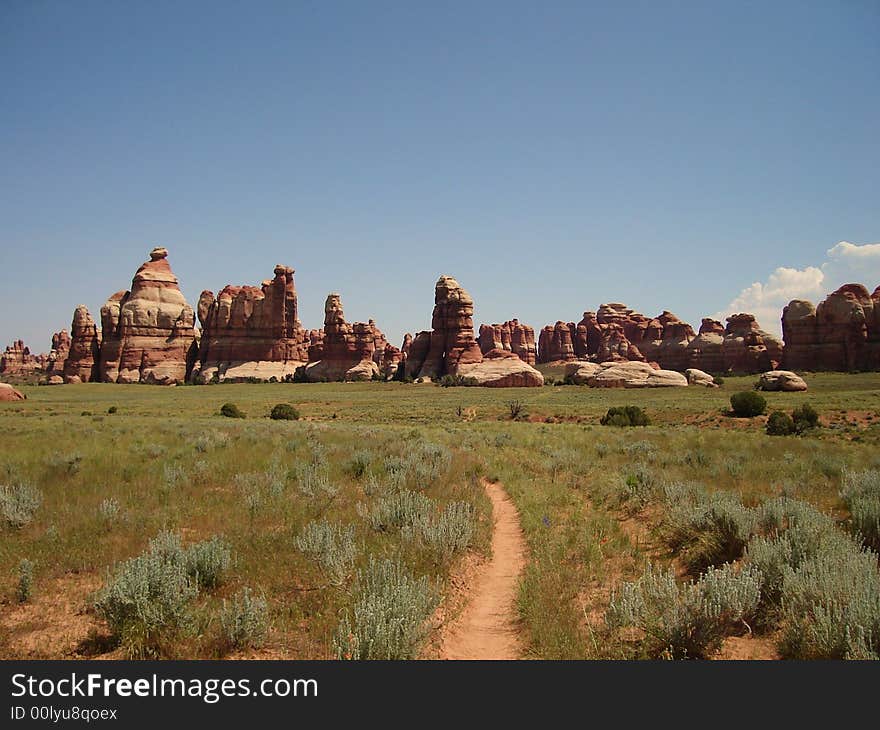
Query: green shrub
x=831, y=605
x=230, y=410
x=388, y=618
x=244, y=621
x=19, y=503
x=446, y=533
x=453, y=381
x=861, y=493
x=25, y=580
x=625, y=416
x=112, y=409
x=748, y=404
x=805, y=418
x=395, y=511
x=780, y=424
x=331, y=546
x=638, y=486
x=685, y=621
x=284, y=412
x=706, y=529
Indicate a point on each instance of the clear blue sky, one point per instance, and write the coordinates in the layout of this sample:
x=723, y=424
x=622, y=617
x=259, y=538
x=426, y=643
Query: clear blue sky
x=551, y=156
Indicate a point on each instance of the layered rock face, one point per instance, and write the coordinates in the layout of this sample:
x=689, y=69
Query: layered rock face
x=252, y=332
x=148, y=332
x=842, y=333
x=451, y=349
x=747, y=348
x=616, y=333
x=511, y=336
x=83, y=358
x=17, y=361
x=58, y=355
x=347, y=351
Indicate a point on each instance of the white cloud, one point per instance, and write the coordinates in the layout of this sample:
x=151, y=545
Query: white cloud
x=845, y=263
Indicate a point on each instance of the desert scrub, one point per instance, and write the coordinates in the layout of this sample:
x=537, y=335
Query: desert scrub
x=705, y=528
x=624, y=416
x=25, y=581
x=861, y=493
x=445, y=533
x=779, y=423
x=831, y=605
x=332, y=546
x=109, y=511
x=359, y=463
x=748, y=404
x=230, y=410
x=395, y=511
x=685, y=621
x=19, y=503
x=805, y=418
x=313, y=480
x=637, y=486
x=244, y=621
x=145, y=600
x=284, y=412
x=388, y=618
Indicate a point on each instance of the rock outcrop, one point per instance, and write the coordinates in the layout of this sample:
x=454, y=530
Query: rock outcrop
x=252, y=332
x=783, y=380
x=511, y=336
x=617, y=333
x=58, y=354
x=17, y=361
x=451, y=349
x=698, y=377
x=347, y=351
x=8, y=393
x=841, y=334
x=622, y=375
x=148, y=333
x=747, y=348
x=83, y=358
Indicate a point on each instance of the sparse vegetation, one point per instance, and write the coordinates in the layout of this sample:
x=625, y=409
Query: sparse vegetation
x=25, y=580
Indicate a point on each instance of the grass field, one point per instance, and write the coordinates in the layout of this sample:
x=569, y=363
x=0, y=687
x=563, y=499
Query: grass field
x=305, y=512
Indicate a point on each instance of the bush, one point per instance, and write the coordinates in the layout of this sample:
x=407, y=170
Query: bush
x=109, y=510
x=19, y=503
x=517, y=410
x=861, y=493
x=624, y=416
x=244, y=621
x=638, y=486
x=388, y=618
x=25, y=580
x=685, y=621
x=230, y=410
x=284, y=412
x=146, y=599
x=112, y=409
x=453, y=381
x=780, y=424
x=330, y=545
x=395, y=511
x=446, y=533
x=706, y=529
x=748, y=404
x=805, y=418
x=831, y=605
x=359, y=463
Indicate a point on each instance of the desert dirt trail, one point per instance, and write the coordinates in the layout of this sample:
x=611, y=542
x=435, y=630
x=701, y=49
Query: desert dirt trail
x=487, y=627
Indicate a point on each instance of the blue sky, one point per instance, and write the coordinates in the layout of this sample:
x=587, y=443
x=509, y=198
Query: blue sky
x=551, y=156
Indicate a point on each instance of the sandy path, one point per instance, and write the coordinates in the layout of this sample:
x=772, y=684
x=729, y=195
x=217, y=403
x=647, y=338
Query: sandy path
x=486, y=629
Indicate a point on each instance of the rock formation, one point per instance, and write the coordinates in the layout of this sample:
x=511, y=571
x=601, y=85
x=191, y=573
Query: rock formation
x=8, y=393
x=83, y=358
x=511, y=336
x=698, y=377
x=252, y=332
x=347, y=351
x=747, y=348
x=147, y=332
x=842, y=333
x=783, y=380
x=451, y=349
x=17, y=361
x=616, y=333
x=58, y=354
x=622, y=375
